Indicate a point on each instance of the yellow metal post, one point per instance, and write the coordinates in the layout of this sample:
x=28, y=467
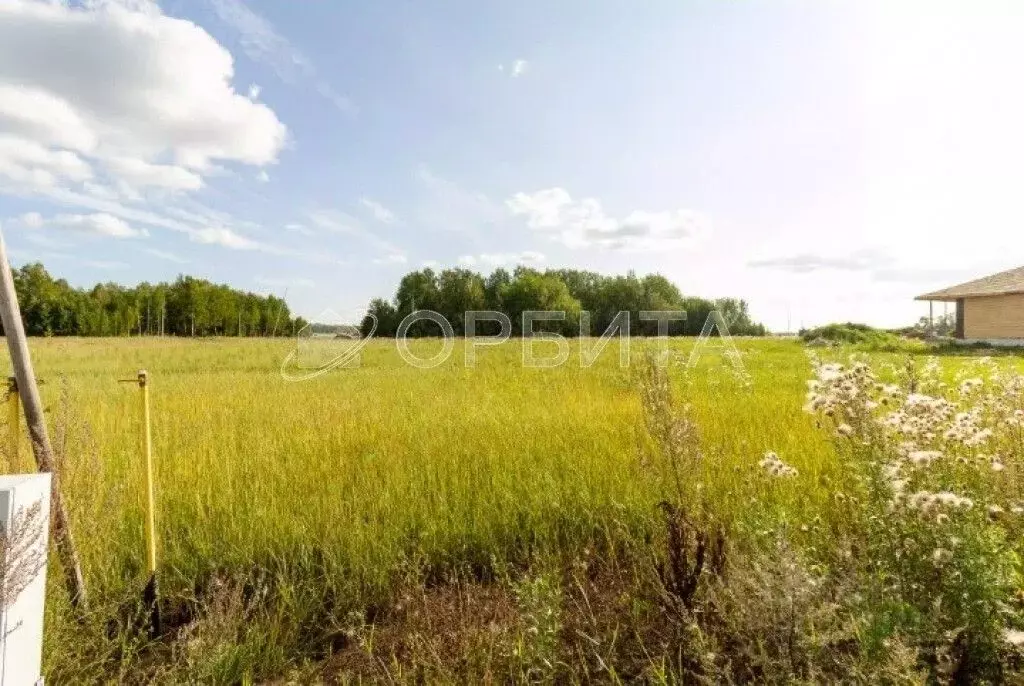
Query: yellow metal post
x=13, y=419
x=150, y=500
x=150, y=593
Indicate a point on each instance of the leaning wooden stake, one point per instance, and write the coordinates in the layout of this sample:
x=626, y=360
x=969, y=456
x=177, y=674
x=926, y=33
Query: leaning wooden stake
x=14, y=331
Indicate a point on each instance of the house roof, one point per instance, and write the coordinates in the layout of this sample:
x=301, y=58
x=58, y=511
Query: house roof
x=1003, y=283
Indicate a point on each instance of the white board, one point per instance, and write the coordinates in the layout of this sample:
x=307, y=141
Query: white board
x=25, y=514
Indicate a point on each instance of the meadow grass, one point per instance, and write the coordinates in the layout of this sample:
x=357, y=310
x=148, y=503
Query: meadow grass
x=331, y=493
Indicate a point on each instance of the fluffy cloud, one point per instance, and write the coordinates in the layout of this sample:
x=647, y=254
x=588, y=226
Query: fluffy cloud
x=262, y=43
x=219, y=235
x=501, y=259
x=27, y=163
x=379, y=212
x=97, y=224
x=146, y=97
x=138, y=173
x=584, y=223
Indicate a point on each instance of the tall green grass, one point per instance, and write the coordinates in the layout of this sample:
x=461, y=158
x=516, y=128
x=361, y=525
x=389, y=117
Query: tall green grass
x=329, y=493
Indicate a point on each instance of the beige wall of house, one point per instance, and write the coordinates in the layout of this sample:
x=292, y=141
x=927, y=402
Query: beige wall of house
x=994, y=316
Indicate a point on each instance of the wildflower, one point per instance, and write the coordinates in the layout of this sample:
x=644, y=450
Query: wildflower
x=844, y=429
x=923, y=458
x=978, y=438
x=994, y=512
x=776, y=467
x=969, y=385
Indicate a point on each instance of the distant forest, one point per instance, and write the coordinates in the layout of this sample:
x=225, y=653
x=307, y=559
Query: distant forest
x=453, y=292
x=186, y=307
x=197, y=307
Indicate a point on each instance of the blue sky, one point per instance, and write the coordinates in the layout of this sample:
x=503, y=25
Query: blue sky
x=824, y=161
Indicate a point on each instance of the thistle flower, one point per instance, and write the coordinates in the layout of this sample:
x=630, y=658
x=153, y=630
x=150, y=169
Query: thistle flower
x=923, y=458
x=775, y=466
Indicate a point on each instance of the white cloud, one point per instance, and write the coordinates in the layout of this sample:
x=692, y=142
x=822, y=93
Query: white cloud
x=262, y=43
x=27, y=164
x=501, y=259
x=584, y=223
x=254, y=91
x=39, y=115
x=165, y=255
x=805, y=263
x=263, y=176
x=33, y=220
x=379, y=212
x=335, y=221
x=516, y=69
x=394, y=258
x=342, y=223
x=219, y=235
x=97, y=224
x=125, y=84
x=137, y=173
x=299, y=228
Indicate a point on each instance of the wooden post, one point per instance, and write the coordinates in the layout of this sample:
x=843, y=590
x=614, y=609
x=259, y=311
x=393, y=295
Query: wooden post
x=14, y=332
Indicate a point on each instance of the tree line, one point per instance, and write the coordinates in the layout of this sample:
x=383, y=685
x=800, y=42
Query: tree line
x=452, y=292
x=186, y=307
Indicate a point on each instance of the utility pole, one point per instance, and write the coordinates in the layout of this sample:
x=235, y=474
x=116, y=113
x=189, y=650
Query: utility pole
x=21, y=361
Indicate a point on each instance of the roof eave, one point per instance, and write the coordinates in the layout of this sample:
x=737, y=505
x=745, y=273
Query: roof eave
x=938, y=297
x=953, y=297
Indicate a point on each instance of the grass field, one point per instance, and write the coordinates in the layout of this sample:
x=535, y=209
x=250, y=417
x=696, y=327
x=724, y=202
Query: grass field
x=303, y=525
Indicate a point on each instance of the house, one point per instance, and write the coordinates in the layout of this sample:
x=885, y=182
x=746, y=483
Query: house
x=988, y=309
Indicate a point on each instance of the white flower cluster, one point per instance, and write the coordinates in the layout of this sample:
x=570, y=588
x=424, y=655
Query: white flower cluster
x=935, y=430
x=841, y=392
x=926, y=502
x=922, y=417
x=775, y=466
